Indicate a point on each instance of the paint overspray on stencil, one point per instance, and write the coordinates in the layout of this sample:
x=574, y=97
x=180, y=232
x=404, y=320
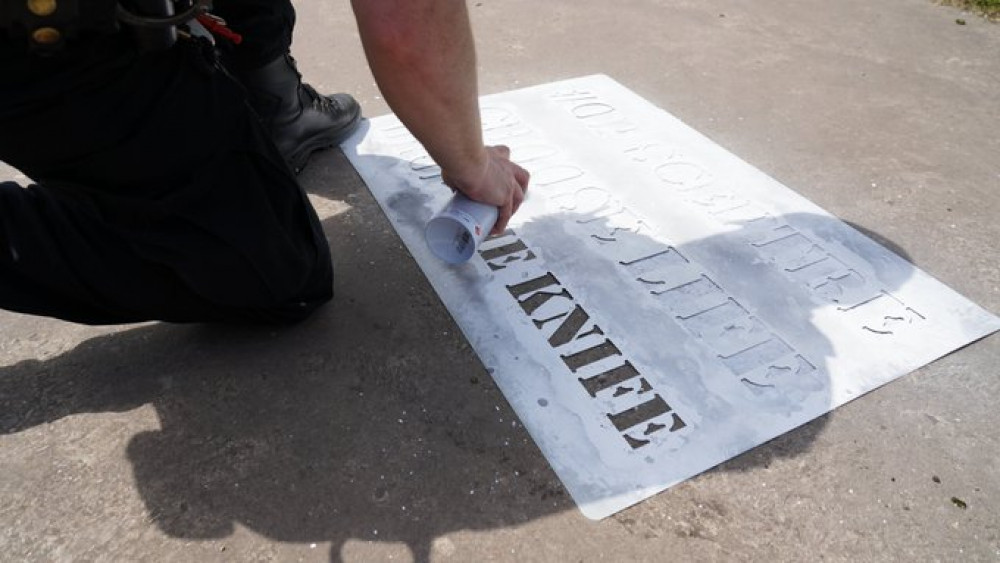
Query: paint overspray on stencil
x=658, y=306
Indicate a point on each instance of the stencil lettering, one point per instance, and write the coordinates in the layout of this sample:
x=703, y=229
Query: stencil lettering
x=502, y=251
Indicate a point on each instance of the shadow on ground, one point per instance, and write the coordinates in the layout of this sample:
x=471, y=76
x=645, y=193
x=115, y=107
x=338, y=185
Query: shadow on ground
x=373, y=420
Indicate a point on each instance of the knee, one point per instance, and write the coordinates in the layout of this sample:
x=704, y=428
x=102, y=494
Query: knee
x=300, y=304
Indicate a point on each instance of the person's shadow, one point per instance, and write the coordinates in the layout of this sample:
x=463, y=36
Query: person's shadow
x=370, y=421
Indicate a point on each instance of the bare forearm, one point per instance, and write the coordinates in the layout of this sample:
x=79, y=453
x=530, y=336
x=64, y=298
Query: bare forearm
x=424, y=60
x=423, y=57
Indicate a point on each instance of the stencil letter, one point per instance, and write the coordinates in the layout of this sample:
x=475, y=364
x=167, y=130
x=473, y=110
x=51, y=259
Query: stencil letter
x=591, y=355
x=684, y=175
x=552, y=175
x=609, y=378
x=500, y=257
x=591, y=201
x=573, y=328
x=535, y=287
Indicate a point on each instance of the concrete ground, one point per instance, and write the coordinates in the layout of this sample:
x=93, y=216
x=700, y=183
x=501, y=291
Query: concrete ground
x=372, y=432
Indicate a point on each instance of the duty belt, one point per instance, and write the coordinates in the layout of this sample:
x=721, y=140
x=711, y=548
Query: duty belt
x=48, y=25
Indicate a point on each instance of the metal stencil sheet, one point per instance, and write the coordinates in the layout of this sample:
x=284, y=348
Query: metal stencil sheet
x=658, y=306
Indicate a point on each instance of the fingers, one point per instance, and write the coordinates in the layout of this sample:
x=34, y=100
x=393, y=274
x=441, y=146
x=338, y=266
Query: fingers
x=523, y=177
x=517, y=180
x=502, y=183
x=514, y=197
x=503, y=218
x=517, y=195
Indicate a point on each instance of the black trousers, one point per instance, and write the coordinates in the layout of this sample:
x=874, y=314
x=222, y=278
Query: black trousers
x=157, y=194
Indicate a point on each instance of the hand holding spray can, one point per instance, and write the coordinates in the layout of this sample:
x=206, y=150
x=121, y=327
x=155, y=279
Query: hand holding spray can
x=455, y=233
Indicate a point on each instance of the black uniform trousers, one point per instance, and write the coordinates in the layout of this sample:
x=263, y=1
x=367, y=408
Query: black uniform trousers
x=158, y=195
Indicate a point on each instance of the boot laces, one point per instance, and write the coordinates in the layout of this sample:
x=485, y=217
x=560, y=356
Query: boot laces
x=319, y=102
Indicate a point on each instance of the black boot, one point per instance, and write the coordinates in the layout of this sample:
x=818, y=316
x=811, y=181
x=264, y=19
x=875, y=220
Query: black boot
x=301, y=121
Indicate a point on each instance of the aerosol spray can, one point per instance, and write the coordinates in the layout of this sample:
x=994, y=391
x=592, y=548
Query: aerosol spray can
x=455, y=233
